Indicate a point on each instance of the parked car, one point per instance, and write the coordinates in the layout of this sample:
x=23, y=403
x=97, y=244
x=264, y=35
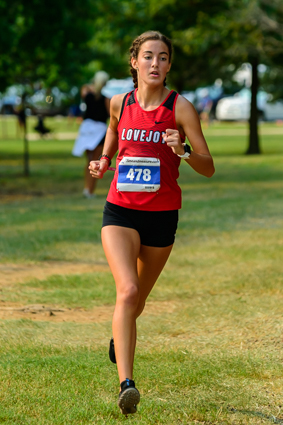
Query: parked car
x=237, y=107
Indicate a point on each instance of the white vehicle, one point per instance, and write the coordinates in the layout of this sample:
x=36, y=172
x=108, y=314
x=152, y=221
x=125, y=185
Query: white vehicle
x=237, y=107
x=115, y=86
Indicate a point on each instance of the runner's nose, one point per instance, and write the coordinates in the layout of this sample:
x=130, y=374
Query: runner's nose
x=154, y=62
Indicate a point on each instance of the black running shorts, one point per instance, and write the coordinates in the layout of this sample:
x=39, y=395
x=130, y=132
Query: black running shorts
x=156, y=228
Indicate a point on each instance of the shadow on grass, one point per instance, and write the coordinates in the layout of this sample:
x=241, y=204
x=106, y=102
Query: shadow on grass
x=270, y=418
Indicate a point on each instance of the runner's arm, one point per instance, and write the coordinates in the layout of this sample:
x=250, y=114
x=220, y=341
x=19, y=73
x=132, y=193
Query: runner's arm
x=188, y=123
x=98, y=168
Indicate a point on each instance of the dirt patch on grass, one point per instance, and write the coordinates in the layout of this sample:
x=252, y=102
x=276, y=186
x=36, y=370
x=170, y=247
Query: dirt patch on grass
x=97, y=314
x=20, y=273
x=41, y=312
x=7, y=198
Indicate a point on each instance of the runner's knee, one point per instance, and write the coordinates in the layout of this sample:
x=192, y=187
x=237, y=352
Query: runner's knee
x=129, y=295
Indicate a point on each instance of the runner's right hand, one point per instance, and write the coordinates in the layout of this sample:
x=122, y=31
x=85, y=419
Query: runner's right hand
x=98, y=168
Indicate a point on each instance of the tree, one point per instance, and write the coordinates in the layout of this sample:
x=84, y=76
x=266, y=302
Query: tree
x=44, y=40
x=125, y=19
x=208, y=37
x=249, y=31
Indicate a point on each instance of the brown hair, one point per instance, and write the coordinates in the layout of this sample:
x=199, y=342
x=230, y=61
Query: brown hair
x=135, y=48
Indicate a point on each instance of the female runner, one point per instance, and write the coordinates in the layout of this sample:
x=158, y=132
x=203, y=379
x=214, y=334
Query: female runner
x=92, y=131
x=148, y=127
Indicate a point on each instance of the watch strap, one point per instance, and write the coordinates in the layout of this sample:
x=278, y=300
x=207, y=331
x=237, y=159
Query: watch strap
x=187, y=151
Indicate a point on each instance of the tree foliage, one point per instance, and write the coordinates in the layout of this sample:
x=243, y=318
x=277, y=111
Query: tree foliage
x=45, y=40
x=249, y=31
x=63, y=42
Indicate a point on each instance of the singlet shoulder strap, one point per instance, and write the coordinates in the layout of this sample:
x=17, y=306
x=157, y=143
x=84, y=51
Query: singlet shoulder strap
x=130, y=101
x=169, y=103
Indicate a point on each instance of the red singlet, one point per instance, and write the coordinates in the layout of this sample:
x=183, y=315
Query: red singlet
x=140, y=135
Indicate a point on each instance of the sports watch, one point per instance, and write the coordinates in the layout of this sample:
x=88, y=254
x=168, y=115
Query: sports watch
x=187, y=151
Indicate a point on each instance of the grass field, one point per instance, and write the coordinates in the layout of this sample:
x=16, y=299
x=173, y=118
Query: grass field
x=210, y=340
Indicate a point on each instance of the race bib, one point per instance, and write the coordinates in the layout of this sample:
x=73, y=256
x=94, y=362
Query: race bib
x=137, y=174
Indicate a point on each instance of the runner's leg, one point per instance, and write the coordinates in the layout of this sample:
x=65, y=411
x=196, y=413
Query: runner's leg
x=122, y=246
x=90, y=182
x=151, y=262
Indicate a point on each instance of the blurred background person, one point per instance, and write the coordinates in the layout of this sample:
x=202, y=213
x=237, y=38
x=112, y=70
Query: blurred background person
x=20, y=111
x=205, y=108
x=40, y=127
x=77, y=109
x=92, y=131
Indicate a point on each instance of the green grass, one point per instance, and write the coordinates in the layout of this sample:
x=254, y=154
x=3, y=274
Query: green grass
x=10, y=130
x=67, y=291
x=209, y=345
x=51, y=385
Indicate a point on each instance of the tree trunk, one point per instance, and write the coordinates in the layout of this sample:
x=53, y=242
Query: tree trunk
x=254, y=147
x=26, y=144
x=26, y=152
x=26, y=157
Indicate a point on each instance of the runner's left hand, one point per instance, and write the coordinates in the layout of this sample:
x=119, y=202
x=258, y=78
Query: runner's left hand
x=173, y=140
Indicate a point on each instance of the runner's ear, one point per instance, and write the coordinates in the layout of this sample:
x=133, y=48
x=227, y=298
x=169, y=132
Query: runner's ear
x=134, y=63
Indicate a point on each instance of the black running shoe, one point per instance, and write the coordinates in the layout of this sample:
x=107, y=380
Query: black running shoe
x=129, y=397
x=112, y=356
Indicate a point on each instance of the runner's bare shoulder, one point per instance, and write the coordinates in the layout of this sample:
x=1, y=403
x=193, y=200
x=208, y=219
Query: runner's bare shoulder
x=116, y=104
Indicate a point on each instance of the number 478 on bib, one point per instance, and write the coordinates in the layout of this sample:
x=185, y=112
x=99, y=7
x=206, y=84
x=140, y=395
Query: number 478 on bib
x=138, y=174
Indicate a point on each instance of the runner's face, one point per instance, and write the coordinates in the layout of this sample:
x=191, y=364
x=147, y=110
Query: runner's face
x=152, y=62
